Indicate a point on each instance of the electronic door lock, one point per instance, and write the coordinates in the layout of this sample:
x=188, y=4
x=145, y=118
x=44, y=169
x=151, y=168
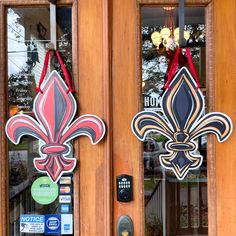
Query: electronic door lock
x=124, y=186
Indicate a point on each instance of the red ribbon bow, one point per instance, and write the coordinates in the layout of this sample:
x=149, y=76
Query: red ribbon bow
x=174, y=65
x=44, y=72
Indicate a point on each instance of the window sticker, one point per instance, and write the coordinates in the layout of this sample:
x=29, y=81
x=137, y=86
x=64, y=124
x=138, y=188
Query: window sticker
x=52, y=224
x=44, y=191
x=66, y=224
x=32, y=224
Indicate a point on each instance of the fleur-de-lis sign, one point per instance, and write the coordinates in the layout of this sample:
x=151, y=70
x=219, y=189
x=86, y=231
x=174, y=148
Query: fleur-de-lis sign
x=54, y=110
x=182, y=122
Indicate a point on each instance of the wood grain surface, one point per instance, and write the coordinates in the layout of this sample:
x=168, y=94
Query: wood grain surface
x=13, y=3
x=4, y=213
x=210, y=98
x=127, y=158
x=94, y=95
x=74, y=79
x=225, y=87
x=107, y=72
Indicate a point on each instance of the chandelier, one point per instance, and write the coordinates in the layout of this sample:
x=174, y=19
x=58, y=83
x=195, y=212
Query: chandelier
x=169, y=35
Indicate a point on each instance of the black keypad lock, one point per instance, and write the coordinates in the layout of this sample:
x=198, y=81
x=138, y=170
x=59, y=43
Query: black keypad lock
x=124, y=186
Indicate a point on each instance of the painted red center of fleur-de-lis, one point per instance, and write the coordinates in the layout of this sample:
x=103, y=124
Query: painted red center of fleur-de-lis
x=54, y=110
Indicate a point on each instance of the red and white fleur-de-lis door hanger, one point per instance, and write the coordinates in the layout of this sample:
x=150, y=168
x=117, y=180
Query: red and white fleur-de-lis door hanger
x=54, y=109
x=182, y=120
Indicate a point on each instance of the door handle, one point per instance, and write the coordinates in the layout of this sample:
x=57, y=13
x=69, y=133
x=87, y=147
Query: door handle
x=125, y=226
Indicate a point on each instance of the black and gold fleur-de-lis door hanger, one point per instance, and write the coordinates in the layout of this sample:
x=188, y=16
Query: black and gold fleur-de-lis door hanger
x=182, y=122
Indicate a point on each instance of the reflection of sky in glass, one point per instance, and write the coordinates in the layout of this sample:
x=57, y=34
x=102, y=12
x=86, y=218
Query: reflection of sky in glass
x=16, y=47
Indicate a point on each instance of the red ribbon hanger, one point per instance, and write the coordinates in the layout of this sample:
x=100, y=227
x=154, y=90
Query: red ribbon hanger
x=174, y=65
x=45, y=68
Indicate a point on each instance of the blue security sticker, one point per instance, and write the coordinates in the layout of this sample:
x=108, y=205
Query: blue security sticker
x=32, y=224
x=64, y=208
x=52, y=224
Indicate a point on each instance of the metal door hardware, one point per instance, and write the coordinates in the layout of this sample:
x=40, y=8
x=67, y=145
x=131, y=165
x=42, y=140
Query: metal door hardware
x=125, y=226
x=182, y=40
x=125, y=233
x=124, y=185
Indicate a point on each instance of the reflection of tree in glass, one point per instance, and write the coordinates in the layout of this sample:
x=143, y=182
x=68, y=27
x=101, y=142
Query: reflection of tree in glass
x=154, y=67
x=183, y=219
x=32, y=55
x=17, y=171
x=21, y=85
x=153, y=226
x=194, y=209
x=155, y=62
x=13, y=25
x=204, y=212
x=65, y=48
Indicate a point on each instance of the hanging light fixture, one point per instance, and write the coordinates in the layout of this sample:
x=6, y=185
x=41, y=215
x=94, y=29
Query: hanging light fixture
x=169, y=35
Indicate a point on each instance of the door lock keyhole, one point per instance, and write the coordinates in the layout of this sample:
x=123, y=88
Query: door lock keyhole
x=125, y=233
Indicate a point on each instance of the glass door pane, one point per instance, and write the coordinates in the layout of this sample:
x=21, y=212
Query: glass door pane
x=28, y=34
x=172, y=207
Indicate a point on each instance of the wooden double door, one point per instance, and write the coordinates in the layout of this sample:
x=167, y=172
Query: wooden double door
x=107, y=75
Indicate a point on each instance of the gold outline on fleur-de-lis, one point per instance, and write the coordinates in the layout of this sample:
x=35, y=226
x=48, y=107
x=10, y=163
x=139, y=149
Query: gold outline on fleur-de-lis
x=182, y=122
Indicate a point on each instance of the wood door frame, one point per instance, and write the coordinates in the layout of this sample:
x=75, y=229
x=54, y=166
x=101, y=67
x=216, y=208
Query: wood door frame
x=94, y=51
x=91, y=45
x=119, y=163
x=4, y=5
x=211, y=157
x=105, y=110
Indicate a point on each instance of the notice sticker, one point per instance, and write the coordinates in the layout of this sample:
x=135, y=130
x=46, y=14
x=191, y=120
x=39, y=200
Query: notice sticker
x=32, y=224
x=66, y=224
x=65, y=180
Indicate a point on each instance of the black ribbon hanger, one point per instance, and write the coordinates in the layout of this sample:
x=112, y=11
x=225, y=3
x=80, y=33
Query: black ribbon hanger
x=182, y=40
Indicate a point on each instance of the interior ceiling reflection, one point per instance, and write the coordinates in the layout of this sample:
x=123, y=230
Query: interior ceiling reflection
x=154, y=16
